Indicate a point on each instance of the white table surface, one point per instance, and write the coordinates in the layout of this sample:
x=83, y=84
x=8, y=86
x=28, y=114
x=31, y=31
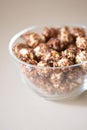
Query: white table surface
x=20, y=108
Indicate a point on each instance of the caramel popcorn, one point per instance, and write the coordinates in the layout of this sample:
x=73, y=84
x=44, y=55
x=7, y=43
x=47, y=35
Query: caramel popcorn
x=64, y=62
x=54, y=43
x=43, y=72
x=33, y=39
x=64, y=36
x=81, y=56
x=50, y=56
x=18, y=47
x=46, y=56
x=77, y=31
x=81, y=42
x=69, y=54
x=31, y=61
x=42, y=64
x=52, y=59
x=55, y=79
x=23, y=51
x=49, y=32
x=40, y=50
x=55, y=55
x=72, y=47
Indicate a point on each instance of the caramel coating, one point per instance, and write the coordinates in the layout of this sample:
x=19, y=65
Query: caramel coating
x=40, y=50
x=49, y=32
x=55, y=79
x=64, y=36
x=69, y=53
x=81, y=56
x=23, y=51
x=42, y=64
x=54, y=43
x=81, y=42
x=64, y=62
x=33, y=39
x=77, y=31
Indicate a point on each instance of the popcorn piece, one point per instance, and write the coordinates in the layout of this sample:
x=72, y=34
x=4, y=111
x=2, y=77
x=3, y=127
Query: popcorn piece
x=31, y=61
x=26, y=35
x=42, y=38
x=77, y=31
x=55, y=54
x=72, y=47
x=81, y=42
x=40, y=50
x=53, y=59
x=69, y=54
x=64, y=62
x=63, y=89
x=52, y=63
x=18, y=46
x=55, y=79
x=46, y=56
x=43, y=72
x=54, y=43
x=75, y=73
x=33, y=39
x=26, y=53
x=49, y=32
x=81, y=56
x=50, y=55
x=75, y=77
x=42, y=64
x=23, y=51
x=64, y=36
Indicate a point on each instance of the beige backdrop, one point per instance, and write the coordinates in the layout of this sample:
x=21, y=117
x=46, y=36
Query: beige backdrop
x=20, y=108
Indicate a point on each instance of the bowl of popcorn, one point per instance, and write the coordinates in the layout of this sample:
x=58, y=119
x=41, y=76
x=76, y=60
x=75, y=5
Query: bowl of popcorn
x=52, y=60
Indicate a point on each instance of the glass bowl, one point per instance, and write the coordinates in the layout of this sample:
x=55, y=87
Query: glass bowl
x=53, y=83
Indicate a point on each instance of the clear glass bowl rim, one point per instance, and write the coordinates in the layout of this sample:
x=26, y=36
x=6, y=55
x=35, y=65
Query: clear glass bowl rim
x=31, y=28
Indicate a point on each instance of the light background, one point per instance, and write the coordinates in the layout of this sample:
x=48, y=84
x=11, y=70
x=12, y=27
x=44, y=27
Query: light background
x=20, y=108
